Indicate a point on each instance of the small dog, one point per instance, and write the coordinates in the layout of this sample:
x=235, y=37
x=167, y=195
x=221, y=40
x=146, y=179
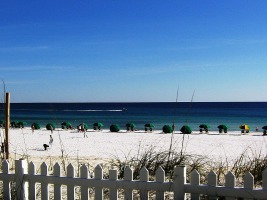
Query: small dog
x=45, y=146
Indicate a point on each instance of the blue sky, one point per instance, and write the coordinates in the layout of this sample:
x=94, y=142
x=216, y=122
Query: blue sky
x=133, y=51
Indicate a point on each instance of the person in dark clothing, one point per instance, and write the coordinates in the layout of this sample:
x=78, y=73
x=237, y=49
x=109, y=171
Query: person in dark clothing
x=45, y=146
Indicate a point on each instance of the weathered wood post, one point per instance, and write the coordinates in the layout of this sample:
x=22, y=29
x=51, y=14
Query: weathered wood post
x=22, y=187
x=7, y=124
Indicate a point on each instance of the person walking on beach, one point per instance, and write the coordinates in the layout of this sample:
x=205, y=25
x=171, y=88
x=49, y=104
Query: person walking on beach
x=84, y=133
x=51, y=140
x=51, y=128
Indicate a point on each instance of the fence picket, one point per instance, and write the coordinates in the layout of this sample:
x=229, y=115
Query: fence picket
x=70, y=185
x=128, y=176
x=144, y=177
x=57, y=186
x=248, y=182
x=160, y=177
x=99, y=176
x=32, y=184
x=264, y=179
x=113, y=192
x=195, y=180
x=5, y=167
x=179, y=182
x=230, y=182
x=22, y=187
x=84, y=175
x=44, y=184
x=6, y=183
x=212, y=182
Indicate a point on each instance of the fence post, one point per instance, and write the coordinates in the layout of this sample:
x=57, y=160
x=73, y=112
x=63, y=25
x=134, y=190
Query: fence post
x=179, y=182
x=21, y=168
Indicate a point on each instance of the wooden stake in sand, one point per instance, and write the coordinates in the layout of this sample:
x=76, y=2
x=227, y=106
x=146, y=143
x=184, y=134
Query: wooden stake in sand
x=7, y=124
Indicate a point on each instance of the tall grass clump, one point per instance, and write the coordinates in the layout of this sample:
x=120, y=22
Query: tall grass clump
x=252, y=162
x=152, y=160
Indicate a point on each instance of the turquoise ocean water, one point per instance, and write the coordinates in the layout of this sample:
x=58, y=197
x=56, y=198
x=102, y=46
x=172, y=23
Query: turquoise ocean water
x=232, y=114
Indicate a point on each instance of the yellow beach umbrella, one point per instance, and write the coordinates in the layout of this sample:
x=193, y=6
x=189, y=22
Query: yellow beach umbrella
x=244, y=128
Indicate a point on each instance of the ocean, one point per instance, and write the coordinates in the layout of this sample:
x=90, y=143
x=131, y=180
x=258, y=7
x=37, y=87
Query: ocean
x=232, y=114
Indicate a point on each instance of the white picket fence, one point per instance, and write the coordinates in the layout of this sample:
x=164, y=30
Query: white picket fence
x=25, y=179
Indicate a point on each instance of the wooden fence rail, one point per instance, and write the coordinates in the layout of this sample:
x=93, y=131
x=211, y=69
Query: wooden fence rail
x=24, y=181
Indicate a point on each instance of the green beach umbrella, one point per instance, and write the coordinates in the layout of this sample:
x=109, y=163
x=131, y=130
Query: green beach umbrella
x=222, y=127
x=3, y=124
x=14, y=124
x=86, y=127
x=22, y=124
x=204, y=126
x=149, y=126
x=36, y=126
x=114, y=128
x=98, y=125
x=264, y=130
x=167, y=129
x=50, y=126
x=130, y=126
x=66, y=125
x=186, y=130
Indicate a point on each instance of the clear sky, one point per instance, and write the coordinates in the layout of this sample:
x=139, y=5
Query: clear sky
x=133, y=51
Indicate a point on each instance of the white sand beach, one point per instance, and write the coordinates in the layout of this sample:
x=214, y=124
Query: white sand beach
x=101, y=146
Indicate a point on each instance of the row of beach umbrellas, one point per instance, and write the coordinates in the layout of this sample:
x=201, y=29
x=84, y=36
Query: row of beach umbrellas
x=129, y=126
